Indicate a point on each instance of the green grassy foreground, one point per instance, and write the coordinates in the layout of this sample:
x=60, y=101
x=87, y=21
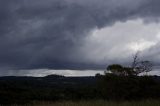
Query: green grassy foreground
x=96, y=103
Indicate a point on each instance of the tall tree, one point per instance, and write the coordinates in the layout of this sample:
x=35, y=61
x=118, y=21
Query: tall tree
x=140, y=66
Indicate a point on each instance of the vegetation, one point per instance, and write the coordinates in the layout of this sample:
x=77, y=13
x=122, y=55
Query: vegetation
x=121, y=84
x=96, y=103
x=138, y=66
x=113, y=87
x=110, y=87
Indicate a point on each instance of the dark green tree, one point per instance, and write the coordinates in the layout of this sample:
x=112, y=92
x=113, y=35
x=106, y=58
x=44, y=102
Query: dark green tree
x=120, y=70
x=115, y=69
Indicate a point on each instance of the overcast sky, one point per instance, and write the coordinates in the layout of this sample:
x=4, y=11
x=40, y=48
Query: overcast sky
x=76, y=34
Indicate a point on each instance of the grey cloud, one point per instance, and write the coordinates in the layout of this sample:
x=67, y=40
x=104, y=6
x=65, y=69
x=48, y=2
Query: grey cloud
x=48, y=34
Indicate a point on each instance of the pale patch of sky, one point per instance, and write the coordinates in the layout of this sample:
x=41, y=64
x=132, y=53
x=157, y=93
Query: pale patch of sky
x=74, y=73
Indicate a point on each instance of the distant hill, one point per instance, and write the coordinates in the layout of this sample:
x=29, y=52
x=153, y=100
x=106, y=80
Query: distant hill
x=48, y=81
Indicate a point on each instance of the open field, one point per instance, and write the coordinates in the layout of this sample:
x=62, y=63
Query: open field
x=96, y=103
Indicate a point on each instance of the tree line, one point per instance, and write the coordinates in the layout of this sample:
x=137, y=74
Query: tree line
x=137, y=67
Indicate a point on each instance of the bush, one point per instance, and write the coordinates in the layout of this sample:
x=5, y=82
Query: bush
x=113, y=87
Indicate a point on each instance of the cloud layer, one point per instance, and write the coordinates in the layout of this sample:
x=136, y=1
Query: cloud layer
x=69, y=34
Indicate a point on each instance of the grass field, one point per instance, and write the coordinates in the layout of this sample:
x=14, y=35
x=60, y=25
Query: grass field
x=96, y=103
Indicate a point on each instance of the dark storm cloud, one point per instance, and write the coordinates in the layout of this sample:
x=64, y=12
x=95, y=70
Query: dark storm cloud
x=48, y=33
